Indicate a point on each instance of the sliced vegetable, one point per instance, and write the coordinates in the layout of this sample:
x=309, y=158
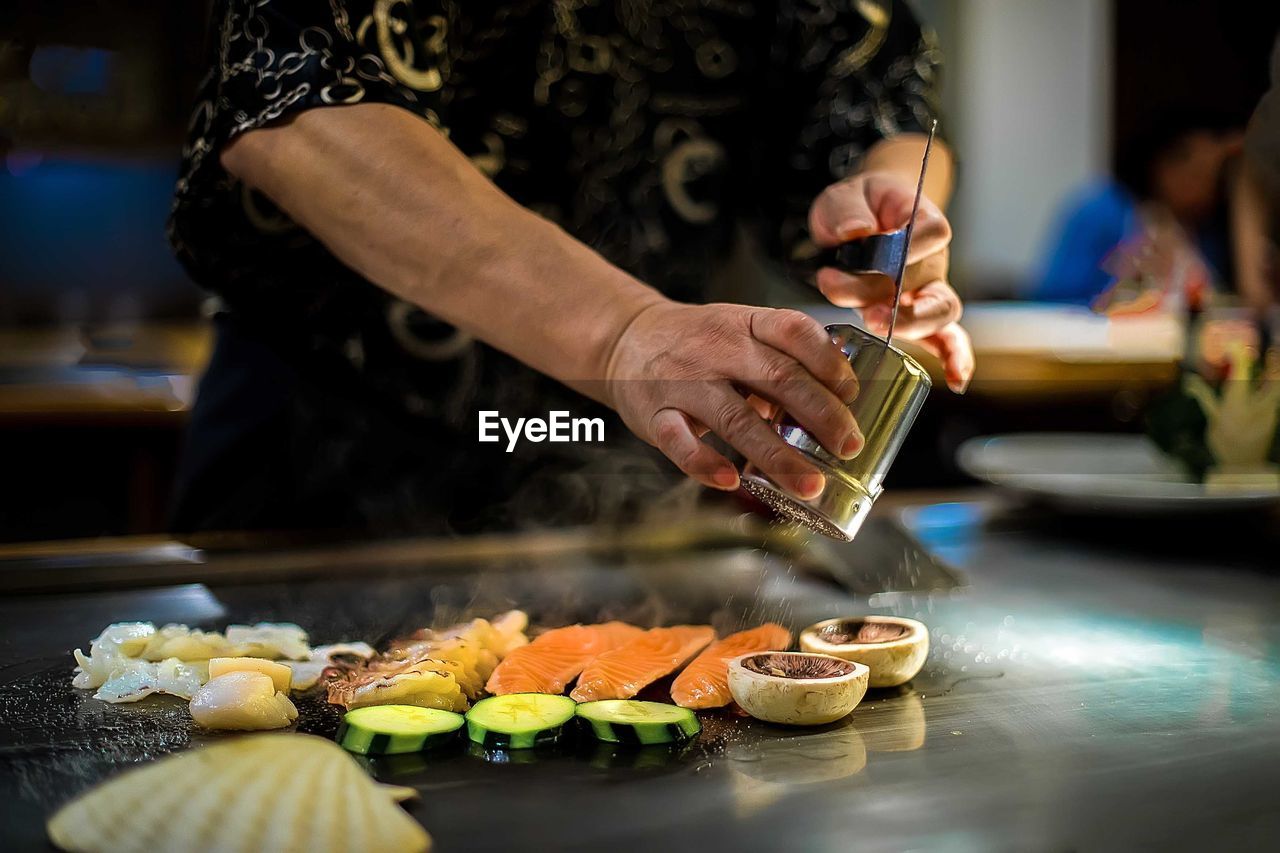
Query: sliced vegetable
x=279, y=674
x=397, y=729
x=634, y=721
x=519, y=720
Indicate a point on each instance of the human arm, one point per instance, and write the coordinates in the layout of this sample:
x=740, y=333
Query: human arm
x=390, y=196
x=878, y=199
x=853, y=154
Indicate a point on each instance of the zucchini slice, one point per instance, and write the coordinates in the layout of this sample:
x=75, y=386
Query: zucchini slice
x=634, y=721
x=397, y=729
x=519, y=720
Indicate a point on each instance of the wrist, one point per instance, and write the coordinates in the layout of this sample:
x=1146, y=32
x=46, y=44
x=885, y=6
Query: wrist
x=901, y=155
x=567, y=308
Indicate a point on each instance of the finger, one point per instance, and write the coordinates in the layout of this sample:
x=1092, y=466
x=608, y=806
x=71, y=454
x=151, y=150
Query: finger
x=674, y=433
x=859, y=291
x=854, y=291
x=921, y=313
x=733, y=420
x=841, y=213
x=804, y=339
x=781, y=379
x=953, y=348
x=892, y=202
x=926, y=270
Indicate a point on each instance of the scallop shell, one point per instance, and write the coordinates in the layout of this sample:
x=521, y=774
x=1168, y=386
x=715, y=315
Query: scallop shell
x=260, y=792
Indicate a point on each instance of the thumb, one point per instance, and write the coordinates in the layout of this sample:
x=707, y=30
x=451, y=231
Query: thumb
x=842, y=213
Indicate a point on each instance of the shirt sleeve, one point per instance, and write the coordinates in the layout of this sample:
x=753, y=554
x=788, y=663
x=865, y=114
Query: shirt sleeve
x=273, y=58
x=865, y=71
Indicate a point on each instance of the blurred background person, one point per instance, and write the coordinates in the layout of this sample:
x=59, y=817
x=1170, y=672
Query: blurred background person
x=1171, y=193
x=1256, y=207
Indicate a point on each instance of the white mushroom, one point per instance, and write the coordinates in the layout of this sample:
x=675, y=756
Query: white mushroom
x=892, y=647
x=795, y=688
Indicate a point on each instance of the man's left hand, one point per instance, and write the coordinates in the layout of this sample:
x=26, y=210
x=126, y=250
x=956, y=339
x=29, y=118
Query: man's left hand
x=877, y=202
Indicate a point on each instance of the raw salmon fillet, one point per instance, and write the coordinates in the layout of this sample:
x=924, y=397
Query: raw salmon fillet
x=555, y=658
x=626, y=670
x=705, y=682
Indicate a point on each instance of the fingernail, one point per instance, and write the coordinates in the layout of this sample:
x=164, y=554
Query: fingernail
x=854, y=228
x=852, y=445
x=809, y=486
x=726, y=478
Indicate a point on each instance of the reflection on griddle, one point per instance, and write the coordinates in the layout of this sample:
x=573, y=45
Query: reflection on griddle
x=891, y=720
x=765, y=767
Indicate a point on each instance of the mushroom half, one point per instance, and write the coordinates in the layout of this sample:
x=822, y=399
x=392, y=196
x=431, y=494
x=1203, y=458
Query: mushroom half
x=796, y=688
x=892, y=647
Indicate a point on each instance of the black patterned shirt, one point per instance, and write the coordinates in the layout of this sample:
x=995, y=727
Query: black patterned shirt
x=649, y=129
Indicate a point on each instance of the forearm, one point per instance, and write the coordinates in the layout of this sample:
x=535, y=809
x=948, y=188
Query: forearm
x=394, y=200
x=1251, y=247
x=902, y=155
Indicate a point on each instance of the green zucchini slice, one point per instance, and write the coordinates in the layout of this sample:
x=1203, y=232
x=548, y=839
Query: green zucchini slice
x=519, y=720
x=397, y=729
x=634, y=721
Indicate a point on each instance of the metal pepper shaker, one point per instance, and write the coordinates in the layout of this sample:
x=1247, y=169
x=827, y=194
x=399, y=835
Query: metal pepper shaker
x=892, y=390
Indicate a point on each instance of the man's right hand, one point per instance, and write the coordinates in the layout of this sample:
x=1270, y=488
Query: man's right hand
x=679, y=371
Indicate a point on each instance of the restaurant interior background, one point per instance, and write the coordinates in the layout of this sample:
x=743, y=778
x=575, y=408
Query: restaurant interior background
x=102, y=336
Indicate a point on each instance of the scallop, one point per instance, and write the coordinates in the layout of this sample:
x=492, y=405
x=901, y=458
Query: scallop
x=258, y=792
x=242, y=701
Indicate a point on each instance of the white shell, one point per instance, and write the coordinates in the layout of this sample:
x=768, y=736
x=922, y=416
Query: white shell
x=796, y=701
x=259, y=792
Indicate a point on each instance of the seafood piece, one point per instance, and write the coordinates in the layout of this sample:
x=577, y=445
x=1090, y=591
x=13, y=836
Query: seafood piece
x=269, y=640
x=444, y=669
x=280, y=674
x=425, y=683
x=183, y=643
x=134, y=679
x=468, y=661
x=502, y=635
x=115, y=644
x=306, y=673
x=705, y=682
x=555, y=658
x=266, y=792
x=243, y=701
x=624, y=671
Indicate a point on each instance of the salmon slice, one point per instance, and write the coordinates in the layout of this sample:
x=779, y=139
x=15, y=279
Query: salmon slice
x=705, y=682
x=626, y=670
x=555, y=658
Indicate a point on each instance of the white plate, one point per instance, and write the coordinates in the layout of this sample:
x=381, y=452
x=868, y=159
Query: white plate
x=1092, y=472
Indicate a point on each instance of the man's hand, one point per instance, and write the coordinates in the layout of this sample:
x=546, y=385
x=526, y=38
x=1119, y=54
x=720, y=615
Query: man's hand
x=876, y=202
x=681, y=370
